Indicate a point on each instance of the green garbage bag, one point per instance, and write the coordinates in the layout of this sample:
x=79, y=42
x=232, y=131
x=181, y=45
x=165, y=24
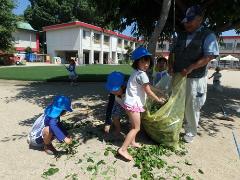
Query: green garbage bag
x=164, y=125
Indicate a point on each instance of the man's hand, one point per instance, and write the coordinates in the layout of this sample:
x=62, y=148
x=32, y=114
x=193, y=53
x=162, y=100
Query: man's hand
x=186, y=71
x=68, y=140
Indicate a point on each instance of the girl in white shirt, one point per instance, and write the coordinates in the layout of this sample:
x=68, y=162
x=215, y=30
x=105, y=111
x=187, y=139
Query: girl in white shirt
x=138, y=88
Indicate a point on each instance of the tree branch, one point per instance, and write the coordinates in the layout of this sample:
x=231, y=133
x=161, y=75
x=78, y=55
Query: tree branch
x=207, y=3
x=158, y=1
x=181, y=6
x=228, y=26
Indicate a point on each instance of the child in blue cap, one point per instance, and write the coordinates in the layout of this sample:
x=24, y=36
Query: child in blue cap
x=117, y=89
x=48, y=126
x=138, y=87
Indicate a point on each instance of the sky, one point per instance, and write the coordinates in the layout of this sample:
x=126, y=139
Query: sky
x=22, y=5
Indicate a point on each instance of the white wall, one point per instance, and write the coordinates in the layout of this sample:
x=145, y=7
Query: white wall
x=68, y=39
x=86, y=41
x=114, y=43
x=24, y=38
x=62, y=40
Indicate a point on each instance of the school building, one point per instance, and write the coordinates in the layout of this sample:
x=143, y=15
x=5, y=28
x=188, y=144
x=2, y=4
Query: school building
x=25, y=36
x=228, y=45
x=90, y=44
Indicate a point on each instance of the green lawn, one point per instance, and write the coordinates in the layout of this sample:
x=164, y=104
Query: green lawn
x=59, y=73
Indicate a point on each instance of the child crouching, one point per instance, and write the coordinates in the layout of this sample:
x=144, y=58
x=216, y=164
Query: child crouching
x=48, y=126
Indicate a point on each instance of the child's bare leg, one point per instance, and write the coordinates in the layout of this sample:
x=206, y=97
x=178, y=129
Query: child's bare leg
x=134, y=143
x=47, y=139
x=47, y=136
x=135, y=119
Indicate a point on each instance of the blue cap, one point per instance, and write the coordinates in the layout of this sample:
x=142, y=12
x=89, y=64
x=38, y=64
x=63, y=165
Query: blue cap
x=59, y=104
x=140, y=52
x=192, y=12
x=114, y=81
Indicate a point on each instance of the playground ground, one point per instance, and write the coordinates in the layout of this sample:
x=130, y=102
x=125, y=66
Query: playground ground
x=213, y=150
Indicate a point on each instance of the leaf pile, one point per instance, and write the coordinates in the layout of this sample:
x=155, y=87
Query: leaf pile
x=147, y=158
x=70, y=149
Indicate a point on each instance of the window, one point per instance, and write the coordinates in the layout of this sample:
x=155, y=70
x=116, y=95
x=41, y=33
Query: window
x=162, y=46
x=97, y=38
x=125, y=43
x=86, y=34
x=106, y=40
x=226, y=46
x=119, y=43
x=16, y=40
x=119, y=56
x=238, y=46
x=131, y=44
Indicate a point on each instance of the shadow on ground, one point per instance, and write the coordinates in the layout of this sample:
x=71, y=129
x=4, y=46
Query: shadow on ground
x=220, y=109
x=89, y=103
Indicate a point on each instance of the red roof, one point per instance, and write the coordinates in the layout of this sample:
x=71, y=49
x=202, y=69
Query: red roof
x=89, y=26
x=230, y=37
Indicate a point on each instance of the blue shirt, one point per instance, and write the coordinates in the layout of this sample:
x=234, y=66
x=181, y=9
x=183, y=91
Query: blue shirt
x=55, y=127
x=210, y=46
x=159, y=76
x=71, y=67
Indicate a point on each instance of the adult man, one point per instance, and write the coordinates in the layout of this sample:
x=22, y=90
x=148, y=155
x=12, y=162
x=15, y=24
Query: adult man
x=193, y=50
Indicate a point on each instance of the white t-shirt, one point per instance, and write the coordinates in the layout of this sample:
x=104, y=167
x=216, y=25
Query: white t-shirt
x=135, y=94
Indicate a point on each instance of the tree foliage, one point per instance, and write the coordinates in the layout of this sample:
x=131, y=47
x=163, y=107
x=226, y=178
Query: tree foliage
x=220, y=15
x=7, y=24
x=41, y=13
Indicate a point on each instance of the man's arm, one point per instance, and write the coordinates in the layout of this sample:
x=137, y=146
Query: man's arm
x=210, y=51
x=200, y=63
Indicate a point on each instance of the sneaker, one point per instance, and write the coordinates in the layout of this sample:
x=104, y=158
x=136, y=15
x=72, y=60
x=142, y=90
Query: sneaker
x=49, y=149
x=188, y=138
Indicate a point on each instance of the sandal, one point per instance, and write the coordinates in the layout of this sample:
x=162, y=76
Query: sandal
x=49, y=149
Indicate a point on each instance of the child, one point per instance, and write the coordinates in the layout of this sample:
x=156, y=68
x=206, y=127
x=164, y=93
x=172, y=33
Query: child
x=117, y=88
x=161, y=69
x=72, y=73
x=216, y=79
x=137, y=90
x=48, y=126
x=161, y=78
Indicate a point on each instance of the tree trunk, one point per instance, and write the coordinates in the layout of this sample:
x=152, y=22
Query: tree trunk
x=158, y=29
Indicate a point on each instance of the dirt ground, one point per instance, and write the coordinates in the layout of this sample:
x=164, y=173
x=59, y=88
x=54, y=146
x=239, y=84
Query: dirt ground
x=213, y=151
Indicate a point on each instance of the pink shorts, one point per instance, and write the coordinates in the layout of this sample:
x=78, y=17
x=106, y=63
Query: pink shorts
x=133, y=108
